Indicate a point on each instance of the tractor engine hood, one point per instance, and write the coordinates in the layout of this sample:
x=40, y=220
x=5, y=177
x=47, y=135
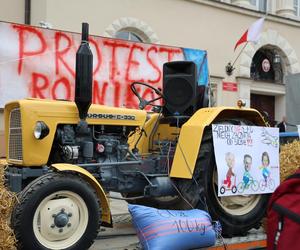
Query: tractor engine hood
x=21, y=118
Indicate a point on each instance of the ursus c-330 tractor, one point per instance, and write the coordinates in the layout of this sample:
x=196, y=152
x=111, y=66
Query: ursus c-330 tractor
x=64, y=157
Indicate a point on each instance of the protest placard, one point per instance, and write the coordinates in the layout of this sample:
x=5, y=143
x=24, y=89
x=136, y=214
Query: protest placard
x=247, y=159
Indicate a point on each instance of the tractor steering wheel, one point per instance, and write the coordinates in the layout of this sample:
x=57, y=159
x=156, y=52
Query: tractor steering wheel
x=143, y=102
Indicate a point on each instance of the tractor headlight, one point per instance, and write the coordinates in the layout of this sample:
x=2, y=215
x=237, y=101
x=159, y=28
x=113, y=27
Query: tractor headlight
x=41, y=130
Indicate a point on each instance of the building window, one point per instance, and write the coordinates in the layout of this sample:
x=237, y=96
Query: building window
x=297, y=7
x=260, y=5
x=132, y=29
x=128, y=35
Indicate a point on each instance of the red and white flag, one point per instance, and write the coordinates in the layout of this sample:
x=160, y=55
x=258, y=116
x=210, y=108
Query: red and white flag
x=251, y=34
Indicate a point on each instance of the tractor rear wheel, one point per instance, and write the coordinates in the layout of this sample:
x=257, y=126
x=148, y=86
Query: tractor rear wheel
x=57, y=211
x=238, y=213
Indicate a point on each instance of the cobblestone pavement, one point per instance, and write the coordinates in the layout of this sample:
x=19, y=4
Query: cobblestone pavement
x=122, y=236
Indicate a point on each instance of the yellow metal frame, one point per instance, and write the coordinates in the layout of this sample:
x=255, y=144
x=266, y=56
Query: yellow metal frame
x=191, y=134
x=53, y=113
x=106, y=214
x=152, y=130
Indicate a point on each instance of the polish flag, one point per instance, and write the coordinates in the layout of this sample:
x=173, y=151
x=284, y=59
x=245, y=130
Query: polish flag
x=251, y=34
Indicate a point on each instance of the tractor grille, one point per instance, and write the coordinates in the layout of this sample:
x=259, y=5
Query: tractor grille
x=15, y=136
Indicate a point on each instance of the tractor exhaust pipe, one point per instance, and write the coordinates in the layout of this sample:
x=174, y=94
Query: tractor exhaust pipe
x=84, y=74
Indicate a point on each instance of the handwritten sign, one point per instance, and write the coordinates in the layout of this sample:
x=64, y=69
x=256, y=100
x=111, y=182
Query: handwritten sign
x=40, y=63
x=247, y=159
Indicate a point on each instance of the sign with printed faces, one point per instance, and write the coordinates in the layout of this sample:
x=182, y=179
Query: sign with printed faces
x=247, y=159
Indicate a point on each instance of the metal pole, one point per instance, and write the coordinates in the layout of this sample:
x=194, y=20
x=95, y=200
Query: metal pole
x=239, y=54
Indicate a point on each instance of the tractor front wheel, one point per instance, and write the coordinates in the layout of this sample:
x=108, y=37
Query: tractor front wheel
x=57, y=211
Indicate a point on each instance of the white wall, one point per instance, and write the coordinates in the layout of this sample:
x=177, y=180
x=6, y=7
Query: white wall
x=12, y=10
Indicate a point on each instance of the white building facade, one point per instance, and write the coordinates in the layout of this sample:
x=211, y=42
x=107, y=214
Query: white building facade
x=260, y=69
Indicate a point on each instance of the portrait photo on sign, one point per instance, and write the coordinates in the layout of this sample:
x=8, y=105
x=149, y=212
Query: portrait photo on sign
x=247, y=159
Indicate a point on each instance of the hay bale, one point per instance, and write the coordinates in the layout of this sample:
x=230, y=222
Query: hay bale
x=289, y=159
x=7, y=199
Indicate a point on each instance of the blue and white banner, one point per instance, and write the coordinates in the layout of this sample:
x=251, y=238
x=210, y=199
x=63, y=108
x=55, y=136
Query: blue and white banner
x=247, y=159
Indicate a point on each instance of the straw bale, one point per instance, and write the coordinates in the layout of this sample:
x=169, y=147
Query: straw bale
x=289, y=159
x=7, y=199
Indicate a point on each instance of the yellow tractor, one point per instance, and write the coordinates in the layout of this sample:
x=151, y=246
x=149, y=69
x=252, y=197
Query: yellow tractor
x=64, y=157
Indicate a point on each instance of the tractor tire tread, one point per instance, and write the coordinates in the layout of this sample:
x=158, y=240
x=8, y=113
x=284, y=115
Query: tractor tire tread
x=25, y=195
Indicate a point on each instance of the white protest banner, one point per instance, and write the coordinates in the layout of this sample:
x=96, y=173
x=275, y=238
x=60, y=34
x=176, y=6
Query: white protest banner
x=247, y=159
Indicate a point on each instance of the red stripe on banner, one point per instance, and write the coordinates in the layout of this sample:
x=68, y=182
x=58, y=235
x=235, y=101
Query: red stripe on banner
x=158, y=223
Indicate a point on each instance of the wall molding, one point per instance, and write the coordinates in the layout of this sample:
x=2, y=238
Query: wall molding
x=135, y=25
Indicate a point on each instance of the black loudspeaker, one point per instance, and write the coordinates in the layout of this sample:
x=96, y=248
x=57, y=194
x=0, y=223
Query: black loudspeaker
x=179, y=88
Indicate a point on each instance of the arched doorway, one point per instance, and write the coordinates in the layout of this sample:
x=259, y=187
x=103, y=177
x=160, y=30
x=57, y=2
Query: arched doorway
x=274, y=41
x=266, y=69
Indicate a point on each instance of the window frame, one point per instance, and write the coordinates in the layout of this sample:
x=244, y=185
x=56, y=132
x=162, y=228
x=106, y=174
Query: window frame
x=130, y=33
x=297, y=7
x=138, y=27
x=261, y=5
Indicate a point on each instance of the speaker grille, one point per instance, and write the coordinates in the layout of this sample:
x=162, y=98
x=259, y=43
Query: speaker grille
x=179, y=88
x=178, y=92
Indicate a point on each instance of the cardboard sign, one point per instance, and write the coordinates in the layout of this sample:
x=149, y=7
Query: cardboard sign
x=247, y=159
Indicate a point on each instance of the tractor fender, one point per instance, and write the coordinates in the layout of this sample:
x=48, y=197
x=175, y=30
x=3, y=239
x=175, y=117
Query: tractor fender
x=191, y=133
x=106, y=218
